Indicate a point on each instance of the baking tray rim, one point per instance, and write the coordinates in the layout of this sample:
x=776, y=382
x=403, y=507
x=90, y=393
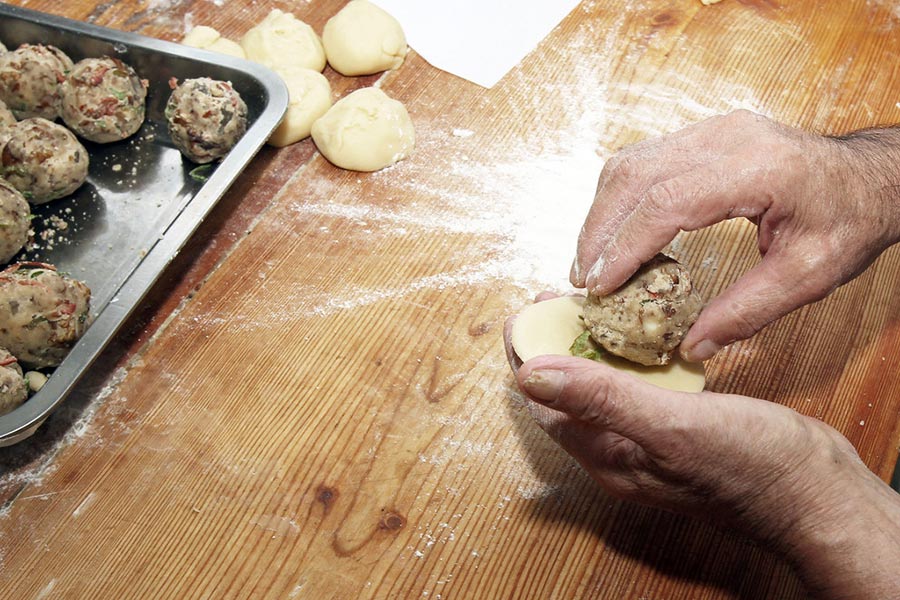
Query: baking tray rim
x=22, y=422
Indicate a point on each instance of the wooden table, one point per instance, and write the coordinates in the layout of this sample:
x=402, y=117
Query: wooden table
x=314, y=402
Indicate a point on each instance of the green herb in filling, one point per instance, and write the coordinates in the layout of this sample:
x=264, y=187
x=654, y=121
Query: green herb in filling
x=201, y=173
x=584, y=346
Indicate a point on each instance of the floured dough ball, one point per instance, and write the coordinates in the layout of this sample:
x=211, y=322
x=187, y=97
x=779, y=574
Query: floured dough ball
x=42, y=313
x=365, y=131
x=208, y=38
x=309, y=98
x=206, y=118
x=103, y=100
x=283, y=39
x=362, y=39
x=3, y=48
x=13, y=391
x=645, y=319
x=15, y=221
x=43, y=160
x=30, y=78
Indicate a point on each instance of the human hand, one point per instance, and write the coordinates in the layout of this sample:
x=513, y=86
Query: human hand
x=787, y=480
x=825, y=209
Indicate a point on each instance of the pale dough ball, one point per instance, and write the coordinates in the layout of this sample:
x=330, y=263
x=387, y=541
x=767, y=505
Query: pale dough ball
x=13, y=391
x=207, y=38
x=283, y=39
x=645, y=319
x=15, y=221
x=43, y=160
x=103, y=100
x=365, y=131
x=362, y=39
x=309, y=98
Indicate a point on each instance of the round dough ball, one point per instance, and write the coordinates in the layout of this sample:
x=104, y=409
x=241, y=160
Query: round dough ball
x=362, y=39
x=43, y=160
x=3, y=48
x=13, y=391
x=206, y=118
x=645, y=319
x=103, y=100
x=15, y=221
x=283, y=39
x=30, y=78
x=42, y=313
x=365, y=131
x=208, y=38
x=310, y=98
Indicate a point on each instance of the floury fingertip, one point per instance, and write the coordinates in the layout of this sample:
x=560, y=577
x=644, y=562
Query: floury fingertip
x=545, y=384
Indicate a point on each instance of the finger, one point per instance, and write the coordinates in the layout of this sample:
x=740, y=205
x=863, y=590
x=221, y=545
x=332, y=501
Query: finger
x=631, y=172
x=603, y=453
x=511, y=357
x=721, y=190
x=545, y=296
x=779, y=284
x=600, y=396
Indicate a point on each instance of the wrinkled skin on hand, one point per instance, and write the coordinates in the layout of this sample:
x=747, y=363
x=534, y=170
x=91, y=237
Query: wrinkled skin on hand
x=825, y=209
x=789, y=481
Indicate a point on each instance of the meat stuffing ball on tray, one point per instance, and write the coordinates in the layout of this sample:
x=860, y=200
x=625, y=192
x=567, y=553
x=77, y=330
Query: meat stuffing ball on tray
x=103, y=100
x=15, y=221
x=205, y=117
x=30, y=78
x=13, y=390
x=7, y=118
x=43, y=160
x=42, y=313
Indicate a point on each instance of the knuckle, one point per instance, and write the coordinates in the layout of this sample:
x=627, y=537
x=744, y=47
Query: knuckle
x=598, y=402
x=743, y=322
x=661, y=199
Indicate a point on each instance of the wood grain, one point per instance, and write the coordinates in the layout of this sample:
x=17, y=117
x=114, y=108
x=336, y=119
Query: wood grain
x=318, y=405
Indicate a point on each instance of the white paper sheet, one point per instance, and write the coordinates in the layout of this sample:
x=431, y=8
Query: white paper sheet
x=478, y=40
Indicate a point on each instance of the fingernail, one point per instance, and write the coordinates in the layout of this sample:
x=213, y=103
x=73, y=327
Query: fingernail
x=575, y=273
x=545, y=384
x=702, y=350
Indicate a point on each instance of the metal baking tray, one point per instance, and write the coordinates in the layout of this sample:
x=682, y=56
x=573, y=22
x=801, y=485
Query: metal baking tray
x=141, y=202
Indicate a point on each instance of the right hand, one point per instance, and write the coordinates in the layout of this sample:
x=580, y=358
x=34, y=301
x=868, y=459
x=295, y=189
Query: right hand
x=825, y=209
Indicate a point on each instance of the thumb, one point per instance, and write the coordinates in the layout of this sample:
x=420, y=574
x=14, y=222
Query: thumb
x=770, y=290
x=599, y=395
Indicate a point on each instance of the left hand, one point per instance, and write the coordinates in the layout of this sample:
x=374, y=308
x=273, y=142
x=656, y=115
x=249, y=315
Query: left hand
x=790, y=481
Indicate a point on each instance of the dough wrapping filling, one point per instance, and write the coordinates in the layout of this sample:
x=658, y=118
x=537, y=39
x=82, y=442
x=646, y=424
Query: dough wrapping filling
x=553, y=326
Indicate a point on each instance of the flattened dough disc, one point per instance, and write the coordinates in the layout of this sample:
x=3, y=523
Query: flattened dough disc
x=551, y=326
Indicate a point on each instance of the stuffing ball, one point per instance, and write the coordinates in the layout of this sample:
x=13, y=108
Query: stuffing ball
x=645, y=319
x=206, y=118
x=13, y=390
x=7, y=118
x=42, y=313
x=43, y=160
x=15, y=221
x=30, y=78
x=103, y=100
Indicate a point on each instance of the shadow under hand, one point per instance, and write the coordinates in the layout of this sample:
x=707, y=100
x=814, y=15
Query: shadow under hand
x=646, y=551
